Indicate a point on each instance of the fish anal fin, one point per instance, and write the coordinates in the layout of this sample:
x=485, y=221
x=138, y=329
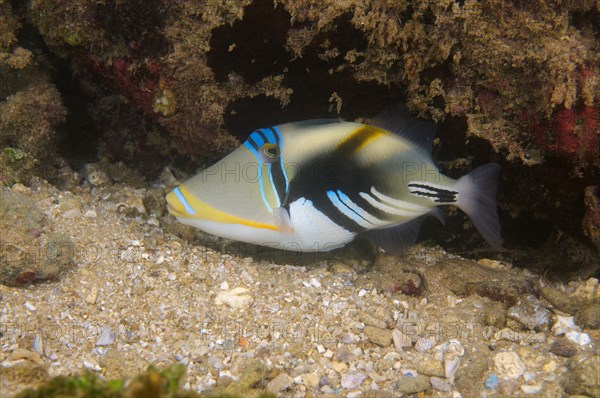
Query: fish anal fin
x=439, y=214
x=396, y=239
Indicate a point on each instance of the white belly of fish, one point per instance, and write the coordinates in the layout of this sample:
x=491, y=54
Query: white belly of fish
x=311, y=231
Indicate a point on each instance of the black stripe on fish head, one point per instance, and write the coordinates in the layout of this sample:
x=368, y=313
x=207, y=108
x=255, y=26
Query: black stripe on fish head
x=279, y=182
x=252, y=142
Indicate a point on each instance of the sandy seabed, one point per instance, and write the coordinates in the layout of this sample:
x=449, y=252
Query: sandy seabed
x=429, y=322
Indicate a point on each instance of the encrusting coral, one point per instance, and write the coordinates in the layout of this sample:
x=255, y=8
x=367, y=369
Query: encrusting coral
x=29, y=118
x=31, y=109
x=506, y=67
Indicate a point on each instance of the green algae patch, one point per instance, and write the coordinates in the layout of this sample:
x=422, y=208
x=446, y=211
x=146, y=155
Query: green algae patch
x=153, y=383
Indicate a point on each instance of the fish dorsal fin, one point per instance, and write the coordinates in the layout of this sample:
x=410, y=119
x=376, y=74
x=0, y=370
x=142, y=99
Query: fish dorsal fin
x=314, y=122
x=398, y=120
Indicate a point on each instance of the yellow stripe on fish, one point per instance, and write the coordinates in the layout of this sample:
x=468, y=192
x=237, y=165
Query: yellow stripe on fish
x=359, y=138
x=183, y=204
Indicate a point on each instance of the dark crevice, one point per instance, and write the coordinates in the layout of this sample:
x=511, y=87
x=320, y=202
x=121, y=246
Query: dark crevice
x=137, y=24
x=86, y=127
x=78, y=135
x=253, y=47
x=312, y=79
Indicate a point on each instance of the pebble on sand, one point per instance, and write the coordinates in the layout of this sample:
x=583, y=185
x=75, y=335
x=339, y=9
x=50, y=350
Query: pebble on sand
x=381, y=337
x=509, y=365
x=412, y=385
x=281, y=382
x=563, y=347
x=107, y=337
x=440, y=384
x=491, y=382
x=530, y=313
x=400, y=340
x=310, y=380
x=91, y=364
x=352, y=379
x=238, y=297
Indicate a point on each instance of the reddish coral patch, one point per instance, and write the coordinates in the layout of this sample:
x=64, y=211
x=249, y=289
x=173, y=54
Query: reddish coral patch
x=25, y=278
x=570, y=133
x=136, y=81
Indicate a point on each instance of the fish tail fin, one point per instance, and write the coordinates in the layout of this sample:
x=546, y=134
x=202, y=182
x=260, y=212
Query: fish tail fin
x=477, y=197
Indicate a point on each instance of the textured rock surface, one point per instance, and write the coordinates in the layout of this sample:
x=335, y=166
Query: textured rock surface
x=530, y=313
x=29, y=250
x=85, y=84
x=195, y=61
x=584, y=378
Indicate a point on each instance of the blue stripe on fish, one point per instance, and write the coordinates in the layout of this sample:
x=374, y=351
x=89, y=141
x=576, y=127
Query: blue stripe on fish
x=254, y=143
x=258, y=138
x=348, y=208
x=183, y=201
x=261, y=183
x=251, y=145
x=269, y=135
x=353, y=206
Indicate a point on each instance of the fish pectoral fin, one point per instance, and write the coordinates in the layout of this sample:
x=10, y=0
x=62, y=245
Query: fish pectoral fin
x=282, y=219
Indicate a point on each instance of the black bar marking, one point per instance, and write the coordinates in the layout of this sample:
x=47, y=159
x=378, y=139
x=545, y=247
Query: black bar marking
x=439, y=195
x=263, y=136
x=349, y=208
x=275, y=135
x=252, y=142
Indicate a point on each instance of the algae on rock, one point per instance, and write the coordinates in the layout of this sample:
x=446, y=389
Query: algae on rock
x=31, y=107
x=512, y=63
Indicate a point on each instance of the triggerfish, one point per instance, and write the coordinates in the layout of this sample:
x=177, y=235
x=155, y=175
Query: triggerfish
x=316, y=185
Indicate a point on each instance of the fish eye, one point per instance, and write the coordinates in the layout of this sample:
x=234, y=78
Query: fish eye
x=272, y=152
x=269, y=153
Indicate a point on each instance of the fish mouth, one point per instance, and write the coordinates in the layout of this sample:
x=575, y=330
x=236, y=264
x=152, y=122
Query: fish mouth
x=174, y=204
x=173, y=212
